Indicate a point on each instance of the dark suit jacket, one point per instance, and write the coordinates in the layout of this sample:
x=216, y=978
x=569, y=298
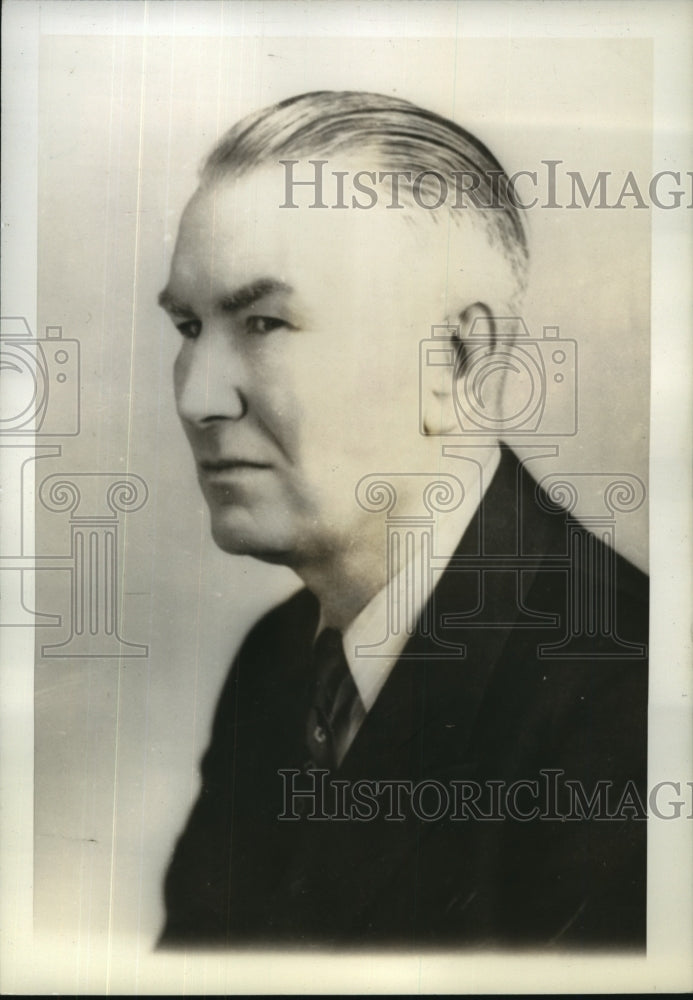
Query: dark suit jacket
x=504, y=711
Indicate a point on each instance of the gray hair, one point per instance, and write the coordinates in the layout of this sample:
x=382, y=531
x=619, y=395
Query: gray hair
x=404, y=137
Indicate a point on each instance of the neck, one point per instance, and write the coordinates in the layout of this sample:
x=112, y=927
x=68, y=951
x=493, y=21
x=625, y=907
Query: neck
x=347, y=579
x=345, y=585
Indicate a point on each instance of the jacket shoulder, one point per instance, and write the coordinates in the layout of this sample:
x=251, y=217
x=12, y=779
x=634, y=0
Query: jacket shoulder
x=270, y=662
x=288, y=624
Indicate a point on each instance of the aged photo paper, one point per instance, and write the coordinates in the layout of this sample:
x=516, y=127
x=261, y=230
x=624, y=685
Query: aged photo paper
x=120, y=615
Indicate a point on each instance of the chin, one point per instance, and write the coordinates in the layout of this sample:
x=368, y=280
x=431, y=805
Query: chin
x=248, y=540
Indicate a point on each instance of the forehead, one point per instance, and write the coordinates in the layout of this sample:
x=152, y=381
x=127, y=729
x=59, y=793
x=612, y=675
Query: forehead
x=238, y=228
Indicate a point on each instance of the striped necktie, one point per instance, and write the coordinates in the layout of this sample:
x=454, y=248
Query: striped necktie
x=334, y=693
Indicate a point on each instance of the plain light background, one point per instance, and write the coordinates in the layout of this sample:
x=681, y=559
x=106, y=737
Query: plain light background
x=124, y=123
x=109, y=760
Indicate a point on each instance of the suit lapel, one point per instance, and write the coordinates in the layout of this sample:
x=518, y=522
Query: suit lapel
x=421, y=726
x=425, y=692
x=422, y=723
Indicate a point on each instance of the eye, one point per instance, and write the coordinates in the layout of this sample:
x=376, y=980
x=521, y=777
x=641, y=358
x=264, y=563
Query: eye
x=190, y=329
x=264, y=324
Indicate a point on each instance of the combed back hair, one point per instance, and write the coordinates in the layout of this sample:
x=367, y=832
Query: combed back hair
x=401, y=135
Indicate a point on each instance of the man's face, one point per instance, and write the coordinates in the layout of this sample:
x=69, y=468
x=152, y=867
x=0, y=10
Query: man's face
x=298, y=366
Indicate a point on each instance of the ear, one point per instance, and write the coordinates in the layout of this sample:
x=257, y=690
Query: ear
x=448, y=365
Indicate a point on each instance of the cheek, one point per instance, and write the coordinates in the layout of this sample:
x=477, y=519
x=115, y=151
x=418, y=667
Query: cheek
x=179, y=374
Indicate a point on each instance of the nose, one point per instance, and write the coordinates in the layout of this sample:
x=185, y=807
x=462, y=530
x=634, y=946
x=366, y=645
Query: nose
x=208, y=378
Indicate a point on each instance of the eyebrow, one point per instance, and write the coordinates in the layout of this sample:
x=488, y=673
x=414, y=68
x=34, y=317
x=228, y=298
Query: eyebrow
x=242, y=298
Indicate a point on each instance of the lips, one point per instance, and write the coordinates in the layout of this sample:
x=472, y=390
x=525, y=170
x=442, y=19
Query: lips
x=211, y=466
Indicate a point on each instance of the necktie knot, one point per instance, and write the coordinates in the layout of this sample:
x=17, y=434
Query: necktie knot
x=334, y=693
x=330, y=669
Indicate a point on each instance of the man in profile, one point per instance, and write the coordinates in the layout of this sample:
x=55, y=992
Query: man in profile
x=431, y=743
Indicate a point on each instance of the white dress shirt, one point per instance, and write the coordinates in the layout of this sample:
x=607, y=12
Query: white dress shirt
x=370, y=627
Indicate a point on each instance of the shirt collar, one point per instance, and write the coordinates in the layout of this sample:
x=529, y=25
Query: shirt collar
x=369, y=628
